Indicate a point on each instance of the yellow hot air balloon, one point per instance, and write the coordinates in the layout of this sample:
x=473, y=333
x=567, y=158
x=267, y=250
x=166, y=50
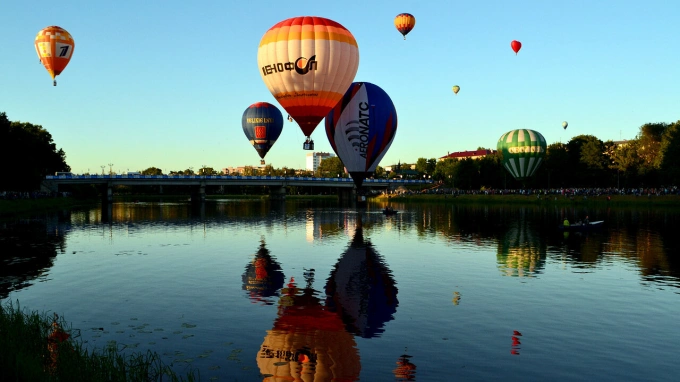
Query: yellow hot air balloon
x=54, y=46
x=404, y=22
x=307, y=64
x=456, y=89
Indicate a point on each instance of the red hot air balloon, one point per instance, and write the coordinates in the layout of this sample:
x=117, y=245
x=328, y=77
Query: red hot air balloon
x=307, y=64
x=516, y=46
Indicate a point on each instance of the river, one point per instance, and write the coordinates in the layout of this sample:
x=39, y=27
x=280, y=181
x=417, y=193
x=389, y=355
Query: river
x=259, y=291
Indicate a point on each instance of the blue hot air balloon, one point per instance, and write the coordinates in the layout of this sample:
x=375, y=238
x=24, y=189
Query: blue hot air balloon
x=262, y=123
x=361, y=128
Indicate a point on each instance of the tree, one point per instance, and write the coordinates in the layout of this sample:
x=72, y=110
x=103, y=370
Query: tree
x=670, y=155
x=379, y=172
x=39, y=155
x=152, y=171
x=330, y=167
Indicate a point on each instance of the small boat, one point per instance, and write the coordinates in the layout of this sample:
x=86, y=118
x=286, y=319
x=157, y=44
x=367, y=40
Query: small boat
x=389, y=211
x=591, y=226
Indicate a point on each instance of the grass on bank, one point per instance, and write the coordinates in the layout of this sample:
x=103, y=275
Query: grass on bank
x=25, y=355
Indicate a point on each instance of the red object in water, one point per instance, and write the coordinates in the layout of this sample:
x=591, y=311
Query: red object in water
x=516, y=333
x=516, y=46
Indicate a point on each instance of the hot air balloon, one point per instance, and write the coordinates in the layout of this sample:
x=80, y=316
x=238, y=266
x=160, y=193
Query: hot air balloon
x=564, y=125
x=307, y=64
x=54, y=46
x=456, y=89
x=361, y=288
x=262, y=123
x=308, y=342
x=523, y=151
x=404, y=23
x=263, y=276
x=516, y=46
x=361, y=128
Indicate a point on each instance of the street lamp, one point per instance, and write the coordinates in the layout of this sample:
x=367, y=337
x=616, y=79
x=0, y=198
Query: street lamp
x=102, y=166
x=110, y=168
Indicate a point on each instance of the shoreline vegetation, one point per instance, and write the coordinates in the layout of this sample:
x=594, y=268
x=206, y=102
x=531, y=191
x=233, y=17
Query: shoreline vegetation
x=9, y=208
x=36, y=347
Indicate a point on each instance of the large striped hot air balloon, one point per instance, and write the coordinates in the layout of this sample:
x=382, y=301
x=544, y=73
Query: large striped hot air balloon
x=361, y=128
x=262, y=123
x=54, y=46
x=404, y=22
x=307, y=64
x=523, y=151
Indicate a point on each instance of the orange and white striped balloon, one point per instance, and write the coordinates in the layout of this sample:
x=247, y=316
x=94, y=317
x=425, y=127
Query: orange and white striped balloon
x=307, y=64
x=54, y=46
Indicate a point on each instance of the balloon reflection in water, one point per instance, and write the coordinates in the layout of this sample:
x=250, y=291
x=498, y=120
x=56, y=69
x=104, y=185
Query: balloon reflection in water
x=263, y=276
x=361, y=288
x=405, y=371
x=308, y=342
x=521, y=252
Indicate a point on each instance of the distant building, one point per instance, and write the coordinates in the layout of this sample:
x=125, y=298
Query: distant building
x=314, y=158
x=476, y=154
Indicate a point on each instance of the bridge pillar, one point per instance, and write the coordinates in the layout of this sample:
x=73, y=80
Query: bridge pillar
x=107, y=193
x=277, y=193
x=48, y=186
x=198, y=193
x=347, y=194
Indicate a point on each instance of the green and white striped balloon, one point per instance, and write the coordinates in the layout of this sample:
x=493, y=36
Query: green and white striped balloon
x=523, y=151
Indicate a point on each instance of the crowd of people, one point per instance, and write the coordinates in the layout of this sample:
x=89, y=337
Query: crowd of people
x=563, y=192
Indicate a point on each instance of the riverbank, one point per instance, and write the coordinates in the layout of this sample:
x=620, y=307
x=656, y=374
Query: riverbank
x=652, y=201
x=20, y=206
x=38, y=348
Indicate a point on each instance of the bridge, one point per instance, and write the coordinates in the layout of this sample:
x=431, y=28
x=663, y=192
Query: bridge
x=198, y=183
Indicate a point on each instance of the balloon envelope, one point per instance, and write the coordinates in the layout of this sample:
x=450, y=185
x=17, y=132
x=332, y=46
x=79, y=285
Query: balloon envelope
x=565, y=124
x=307, y=64
x=404, y=22
x=262, y=123
x=263, y=276
x=361, y=128
x=523, y=151
x=361, y=289
x=54, y=46
x=516, y=46
x=456, y=89
x=307, y=343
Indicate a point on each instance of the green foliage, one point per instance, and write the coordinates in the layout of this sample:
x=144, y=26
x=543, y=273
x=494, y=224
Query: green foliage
x=43, y=156
x=25, y=354
x=330, y=167
x=205, y=171
x=152, y=171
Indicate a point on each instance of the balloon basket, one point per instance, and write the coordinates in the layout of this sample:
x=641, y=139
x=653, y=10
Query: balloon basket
x=308, y=145
x=262, y=162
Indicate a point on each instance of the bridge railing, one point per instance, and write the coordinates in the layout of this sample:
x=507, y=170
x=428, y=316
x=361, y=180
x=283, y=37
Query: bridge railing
x=233, y=177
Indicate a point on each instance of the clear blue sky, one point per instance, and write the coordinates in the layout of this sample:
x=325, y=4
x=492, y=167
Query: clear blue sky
x=164, y=83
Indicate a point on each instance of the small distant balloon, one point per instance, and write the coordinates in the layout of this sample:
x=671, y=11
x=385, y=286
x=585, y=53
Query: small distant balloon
x=404, y=22
x=456, y=89
x=516, y=46
x=564, y=125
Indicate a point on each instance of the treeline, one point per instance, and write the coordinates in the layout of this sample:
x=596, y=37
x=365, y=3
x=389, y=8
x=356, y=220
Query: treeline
x=652, y=159
x=28, y=152
x=649, y=160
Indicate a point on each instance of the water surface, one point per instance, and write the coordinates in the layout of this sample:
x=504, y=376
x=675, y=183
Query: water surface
x=255, y=291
